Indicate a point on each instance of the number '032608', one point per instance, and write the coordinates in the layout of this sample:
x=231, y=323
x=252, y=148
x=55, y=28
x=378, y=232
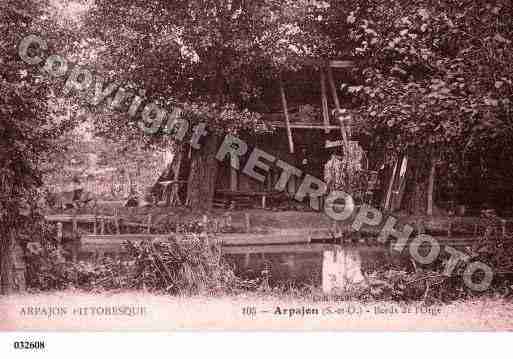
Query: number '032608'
x=31, y=345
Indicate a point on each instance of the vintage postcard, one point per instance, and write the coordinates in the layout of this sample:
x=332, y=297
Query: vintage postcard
x=256, y=165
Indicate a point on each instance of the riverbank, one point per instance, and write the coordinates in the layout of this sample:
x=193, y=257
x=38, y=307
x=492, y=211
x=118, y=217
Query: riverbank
x=76, y=311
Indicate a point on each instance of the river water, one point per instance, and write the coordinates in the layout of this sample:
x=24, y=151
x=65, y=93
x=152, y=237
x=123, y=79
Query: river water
x=328, y=266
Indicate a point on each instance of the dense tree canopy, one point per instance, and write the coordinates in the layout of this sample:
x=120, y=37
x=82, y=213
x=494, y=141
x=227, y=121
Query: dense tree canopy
x=26, y=129
x=432, y=72
x=434, y=77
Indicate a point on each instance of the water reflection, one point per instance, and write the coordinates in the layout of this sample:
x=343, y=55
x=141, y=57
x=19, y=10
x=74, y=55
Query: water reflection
x=331, y=267
x=341, y=267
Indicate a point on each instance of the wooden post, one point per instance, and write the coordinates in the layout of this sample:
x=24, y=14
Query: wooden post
x=116, y=221
x=59, y=232
x=102, y=226
x=337, y=106
x=95, y=211
x=76, y=248
x=75, y=224
x=331, y=81
x=234, y=174
x=148, y=228
x=324, y=102
x=503, y=226
x=287, y=118
x=247, y=222
x=431, y=186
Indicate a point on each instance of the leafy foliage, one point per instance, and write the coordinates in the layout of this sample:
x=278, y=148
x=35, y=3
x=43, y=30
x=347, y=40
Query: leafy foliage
x=434, y=75
x=164, y=265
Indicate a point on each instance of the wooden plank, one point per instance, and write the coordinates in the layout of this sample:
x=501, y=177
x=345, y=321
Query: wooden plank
x=320, y=62
x=261, y=239
x=397, y=196
x=296, y=248
x=247, y=193
x=305, y=126
x=90, y=219
x=119, y=238
x=79, y=218
x=233, y=239
x=287, y=118
x=341, y=64
x=389, y=190
x=243, y=243
x=324, y=103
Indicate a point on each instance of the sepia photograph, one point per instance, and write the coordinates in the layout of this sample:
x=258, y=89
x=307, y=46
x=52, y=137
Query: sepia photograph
x=271, y=165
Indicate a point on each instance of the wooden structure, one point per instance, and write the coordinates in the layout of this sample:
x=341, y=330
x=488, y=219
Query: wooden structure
x=450, y=231
x=295, y=137
x=273, y=242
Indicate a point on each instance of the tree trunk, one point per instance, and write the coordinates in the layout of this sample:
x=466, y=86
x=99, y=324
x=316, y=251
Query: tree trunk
x=416, y=191
x=431, y=187
x=12, y=266
x=202, y=175
x=6, y=270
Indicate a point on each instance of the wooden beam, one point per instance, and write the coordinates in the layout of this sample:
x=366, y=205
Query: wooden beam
x=324, y=102
x=59, y=232
x=322, y=62
x=331, y=81
x=247, y=222
x=341, y=64
x=305, y=126
x=287, y=118
x=337, y=106
x=399, y=194
x=389, y=190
